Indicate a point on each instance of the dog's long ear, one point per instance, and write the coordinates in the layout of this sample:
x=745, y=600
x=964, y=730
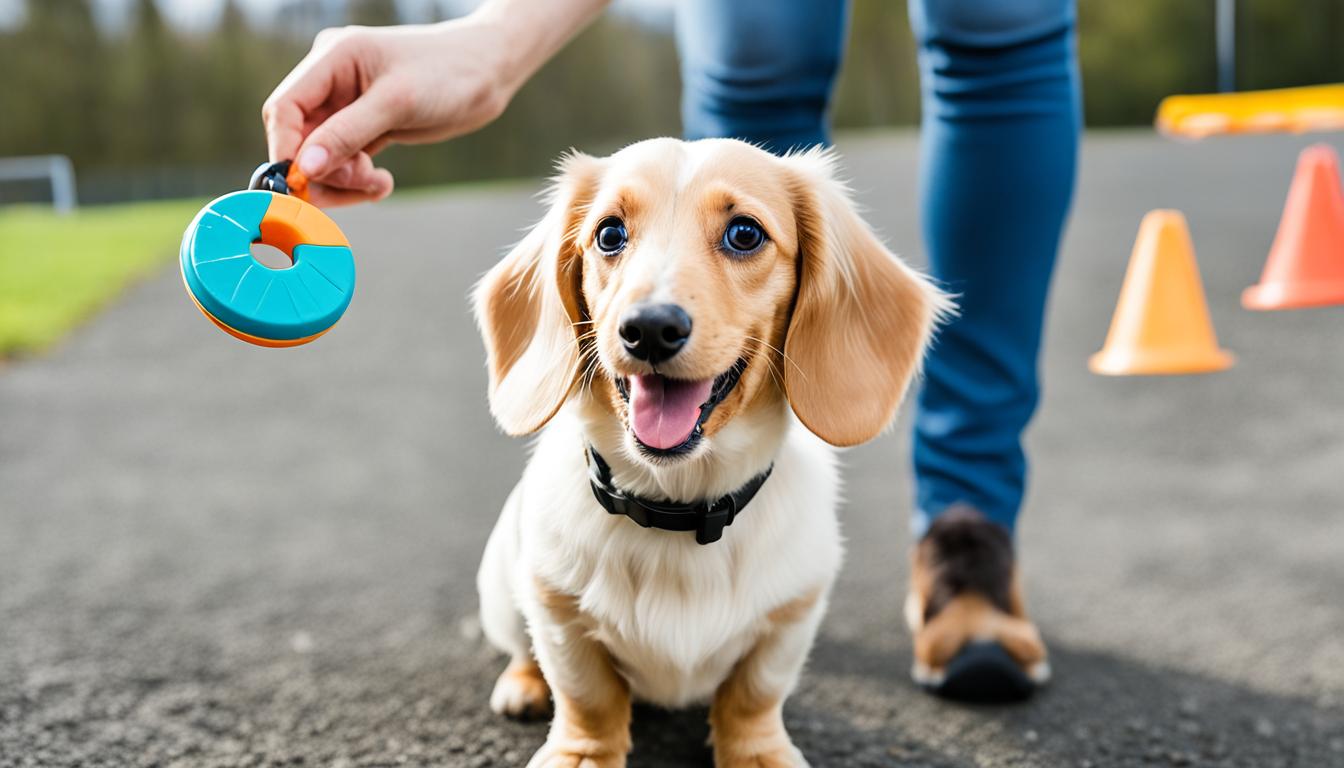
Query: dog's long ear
x=528, y=306
x=861, y=319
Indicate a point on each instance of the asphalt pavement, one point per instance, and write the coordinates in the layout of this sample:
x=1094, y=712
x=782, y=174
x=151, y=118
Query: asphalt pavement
x=218, y=555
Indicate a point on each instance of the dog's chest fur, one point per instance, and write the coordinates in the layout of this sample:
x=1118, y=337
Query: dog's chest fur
x=676, y=616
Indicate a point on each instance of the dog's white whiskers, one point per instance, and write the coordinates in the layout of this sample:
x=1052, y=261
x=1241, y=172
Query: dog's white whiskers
x=590, y=371
x=774, y=369
x=770, y=366
x=583, y=337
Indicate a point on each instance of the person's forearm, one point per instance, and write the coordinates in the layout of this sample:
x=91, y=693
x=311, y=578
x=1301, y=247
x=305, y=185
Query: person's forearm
x=535, y=30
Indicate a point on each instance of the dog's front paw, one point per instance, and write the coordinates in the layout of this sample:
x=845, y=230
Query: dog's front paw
x=521, y=692
x=776, y=755
x=563, y=755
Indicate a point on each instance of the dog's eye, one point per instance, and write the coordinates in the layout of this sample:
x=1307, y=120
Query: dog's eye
x=743, y=236
x=611, y=235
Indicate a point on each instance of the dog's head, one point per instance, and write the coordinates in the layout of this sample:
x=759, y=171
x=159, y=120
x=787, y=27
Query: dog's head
x=681, y=285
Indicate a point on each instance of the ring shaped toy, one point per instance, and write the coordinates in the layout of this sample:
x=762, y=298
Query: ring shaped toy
x=260, y=305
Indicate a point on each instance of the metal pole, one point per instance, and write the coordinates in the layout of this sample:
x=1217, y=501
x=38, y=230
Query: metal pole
x=62, y=184
x=1227, y=45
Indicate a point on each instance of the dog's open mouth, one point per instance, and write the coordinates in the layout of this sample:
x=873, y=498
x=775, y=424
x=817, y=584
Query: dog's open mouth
x=666, y=415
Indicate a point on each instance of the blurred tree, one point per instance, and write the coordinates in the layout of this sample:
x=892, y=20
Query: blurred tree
x=235, y=83
x=151, y=90
x=1134, y=53
x=1285, y=44
x=54, y=72
x=879, y=81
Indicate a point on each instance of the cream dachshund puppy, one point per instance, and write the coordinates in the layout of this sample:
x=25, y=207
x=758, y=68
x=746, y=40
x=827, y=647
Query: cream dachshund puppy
x=688, y=327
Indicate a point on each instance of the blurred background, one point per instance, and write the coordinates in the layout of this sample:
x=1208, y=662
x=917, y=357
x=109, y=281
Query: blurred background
x=169, y=91
x=137, y=110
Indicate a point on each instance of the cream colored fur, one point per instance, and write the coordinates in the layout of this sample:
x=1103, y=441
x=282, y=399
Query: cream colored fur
x=612, y=611
x=675, y=615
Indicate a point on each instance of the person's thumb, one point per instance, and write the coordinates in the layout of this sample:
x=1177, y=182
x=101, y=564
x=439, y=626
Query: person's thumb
x=345, y=134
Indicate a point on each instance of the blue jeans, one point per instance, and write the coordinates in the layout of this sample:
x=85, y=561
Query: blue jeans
x=1001, y=121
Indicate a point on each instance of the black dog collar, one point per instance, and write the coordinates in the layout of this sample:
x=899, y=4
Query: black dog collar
x=706, y=518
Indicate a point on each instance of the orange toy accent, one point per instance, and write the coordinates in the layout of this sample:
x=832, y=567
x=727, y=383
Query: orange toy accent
x=289, y=222
x=1306, y=263
x=249, y=338
x=297, y=182
x=1161, y=323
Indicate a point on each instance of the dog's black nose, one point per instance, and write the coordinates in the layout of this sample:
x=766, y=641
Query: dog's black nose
x=655, y=332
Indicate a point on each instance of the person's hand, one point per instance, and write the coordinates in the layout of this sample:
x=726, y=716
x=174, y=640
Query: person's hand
x=362, y=88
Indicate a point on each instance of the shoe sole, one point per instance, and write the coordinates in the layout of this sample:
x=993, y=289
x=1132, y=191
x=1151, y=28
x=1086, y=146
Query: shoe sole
x=983, y=673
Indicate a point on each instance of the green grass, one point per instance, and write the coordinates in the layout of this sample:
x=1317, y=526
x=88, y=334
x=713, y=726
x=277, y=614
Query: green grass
x=55, y=271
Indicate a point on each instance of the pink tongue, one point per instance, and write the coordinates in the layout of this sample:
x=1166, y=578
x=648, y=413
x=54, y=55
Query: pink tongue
x=664, y=411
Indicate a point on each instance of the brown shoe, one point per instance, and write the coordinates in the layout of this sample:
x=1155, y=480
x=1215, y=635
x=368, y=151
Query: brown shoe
x=973, y=640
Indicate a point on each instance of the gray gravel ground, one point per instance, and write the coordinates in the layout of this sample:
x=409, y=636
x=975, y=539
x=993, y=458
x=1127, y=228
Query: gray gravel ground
x=216, y=555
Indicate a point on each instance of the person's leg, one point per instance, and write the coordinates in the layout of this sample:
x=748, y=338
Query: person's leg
x=759, y=70
x=1001, y=121
x=1000, y=132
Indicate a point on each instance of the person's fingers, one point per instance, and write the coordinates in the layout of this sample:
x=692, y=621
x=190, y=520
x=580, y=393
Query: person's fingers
x=357, y=173
x=326, y=196
x=417, y=136
x=408, y=136
x=331, y=197
x=306, y=88
x=340, y=175
x=363, y=175
x=346, y=133
x=354, y=181
x=284, y=131
x=380, y=143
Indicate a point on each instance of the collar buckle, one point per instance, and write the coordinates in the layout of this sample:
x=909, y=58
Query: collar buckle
x=709, y=527
x=706, y=518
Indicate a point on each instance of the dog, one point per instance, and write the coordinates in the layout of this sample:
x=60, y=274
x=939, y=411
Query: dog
x=692, y=328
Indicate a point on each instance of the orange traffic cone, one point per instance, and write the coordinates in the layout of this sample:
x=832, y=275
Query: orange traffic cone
x=1161, y=323
x=1306, y=262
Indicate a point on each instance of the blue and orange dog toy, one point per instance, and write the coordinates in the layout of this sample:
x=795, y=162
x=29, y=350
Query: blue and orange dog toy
x=260, y=305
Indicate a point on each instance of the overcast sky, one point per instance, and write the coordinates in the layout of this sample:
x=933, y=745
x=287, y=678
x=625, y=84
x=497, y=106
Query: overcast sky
x=202, y=13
